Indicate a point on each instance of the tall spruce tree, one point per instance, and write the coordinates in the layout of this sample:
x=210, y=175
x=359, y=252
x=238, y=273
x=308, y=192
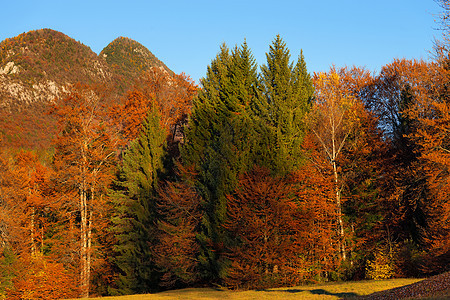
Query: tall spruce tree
x=134, y=203
x=287, y=91
x=220, y=144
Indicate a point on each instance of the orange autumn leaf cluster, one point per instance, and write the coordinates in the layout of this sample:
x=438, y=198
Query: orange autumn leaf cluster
x=84, y=161
x=335, y=120
x=28, y=221
x=281, y=229
x=26, y=192
x=41, y=277
x=410, y=98
x=177, y=249
x=171, y=94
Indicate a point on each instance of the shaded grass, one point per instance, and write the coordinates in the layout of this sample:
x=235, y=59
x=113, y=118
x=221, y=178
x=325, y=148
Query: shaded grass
x=318, y=291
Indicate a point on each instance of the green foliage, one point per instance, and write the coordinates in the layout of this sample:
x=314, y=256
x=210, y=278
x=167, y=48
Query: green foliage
x=220, y=141
x=287, y=91
x=128, y=59
x=239, y=121
x=7, y=259
x=134, y=201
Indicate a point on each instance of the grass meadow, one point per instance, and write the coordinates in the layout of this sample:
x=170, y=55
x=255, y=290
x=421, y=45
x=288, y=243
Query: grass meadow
x=318, y=291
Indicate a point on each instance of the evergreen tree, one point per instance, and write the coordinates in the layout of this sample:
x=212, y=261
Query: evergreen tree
x=287, y=91
x=134, y=202
x=411, y=214
x=220, y=144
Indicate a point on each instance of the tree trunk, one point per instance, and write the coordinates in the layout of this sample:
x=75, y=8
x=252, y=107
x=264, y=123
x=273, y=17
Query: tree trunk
x=33, y=247
x=339, y=212
x=84, y=280
x=89, y=244
x=42, y=238
x=88, y=258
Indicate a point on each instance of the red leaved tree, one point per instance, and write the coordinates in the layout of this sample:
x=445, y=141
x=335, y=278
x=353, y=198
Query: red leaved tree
x=431, y=110
x=180, y=216
x=280, y=229
x=42, y=277
x=29, y=222
x=83, y=164
x=410, y=99
x=315, y=190
x=172, y=94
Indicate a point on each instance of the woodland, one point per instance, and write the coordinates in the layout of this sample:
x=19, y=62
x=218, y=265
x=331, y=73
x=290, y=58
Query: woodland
x=261, y=176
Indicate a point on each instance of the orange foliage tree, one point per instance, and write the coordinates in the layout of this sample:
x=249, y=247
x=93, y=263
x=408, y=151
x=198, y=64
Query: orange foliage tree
x=28, y=219
x=171, y=94
x=410, y=98
x=281, y=229
x=334, y=119
x=25, y=187
x=316, y=190
x=180, y=215
x=431, y=110
x=364, y=170
x=41, y=277
x=405, y=191
x=83, y=160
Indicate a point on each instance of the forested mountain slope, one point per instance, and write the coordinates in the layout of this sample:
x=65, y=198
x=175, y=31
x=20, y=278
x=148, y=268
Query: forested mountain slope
x=40, y=65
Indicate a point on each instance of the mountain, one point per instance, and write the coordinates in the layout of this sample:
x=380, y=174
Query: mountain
x=127, y=59
x=40, y=65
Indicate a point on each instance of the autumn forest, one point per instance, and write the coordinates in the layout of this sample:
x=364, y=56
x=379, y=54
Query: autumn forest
x=260, y=176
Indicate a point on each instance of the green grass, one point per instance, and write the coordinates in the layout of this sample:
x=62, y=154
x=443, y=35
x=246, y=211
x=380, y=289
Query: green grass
x=318, y=291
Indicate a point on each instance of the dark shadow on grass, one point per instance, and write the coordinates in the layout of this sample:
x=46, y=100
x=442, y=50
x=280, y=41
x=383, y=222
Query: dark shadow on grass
x=340, y=295
x=293, y=291
x=315, y=292
x=286, y=291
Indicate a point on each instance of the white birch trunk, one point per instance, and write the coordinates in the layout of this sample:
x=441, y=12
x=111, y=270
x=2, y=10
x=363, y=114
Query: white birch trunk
x=33, y=246
x=84, y=243
x=339, y=212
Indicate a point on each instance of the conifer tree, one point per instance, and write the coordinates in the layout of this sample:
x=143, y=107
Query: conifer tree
x=134, y=201
x=219, y=143
x=287, y=90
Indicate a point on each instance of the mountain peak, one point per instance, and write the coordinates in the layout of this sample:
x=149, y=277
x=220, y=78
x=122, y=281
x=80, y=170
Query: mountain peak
x=47, y=54
x=129, y=59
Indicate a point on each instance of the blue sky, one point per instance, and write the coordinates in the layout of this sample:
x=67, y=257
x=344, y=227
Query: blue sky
x=186, y=35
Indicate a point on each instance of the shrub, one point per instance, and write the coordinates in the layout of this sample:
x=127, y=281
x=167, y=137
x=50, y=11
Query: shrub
x=381, y=267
